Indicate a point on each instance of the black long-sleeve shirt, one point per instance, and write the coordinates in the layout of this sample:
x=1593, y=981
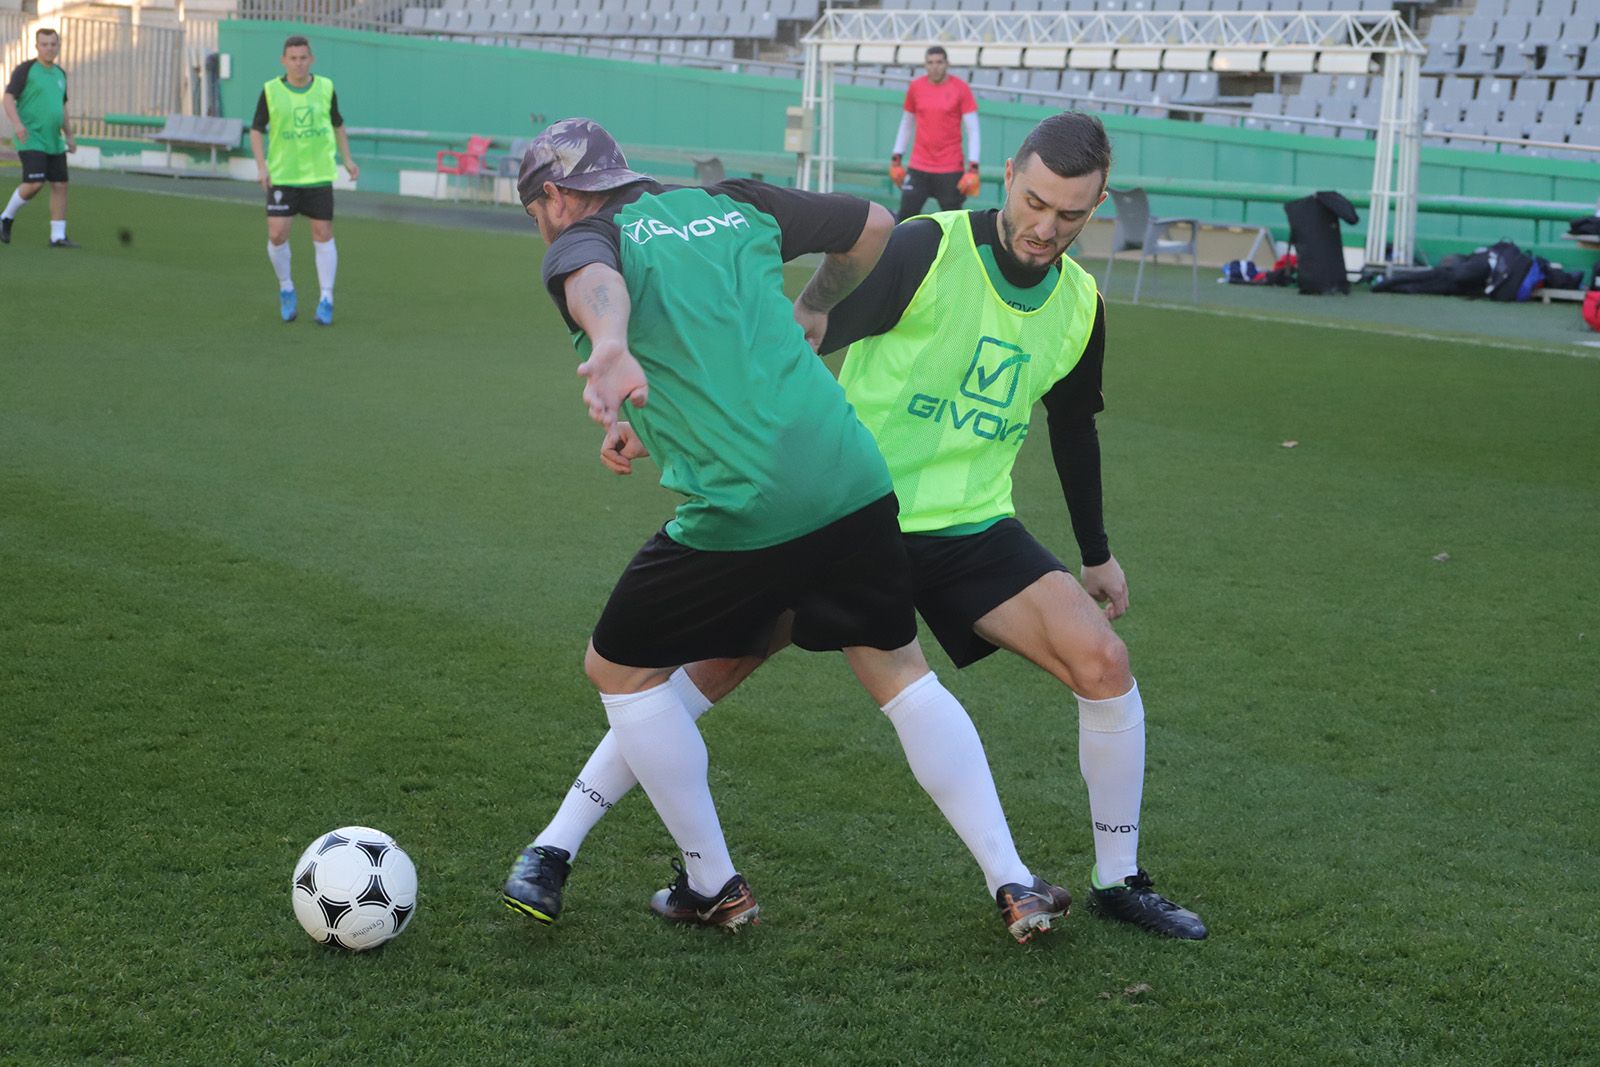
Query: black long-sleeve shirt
x=875, y=306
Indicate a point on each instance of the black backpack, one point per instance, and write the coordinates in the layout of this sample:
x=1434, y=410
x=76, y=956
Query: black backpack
x=1509, y=268
x=1314, y=232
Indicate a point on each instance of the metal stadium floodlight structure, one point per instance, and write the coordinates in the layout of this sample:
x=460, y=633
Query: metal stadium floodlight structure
x=1298, y=42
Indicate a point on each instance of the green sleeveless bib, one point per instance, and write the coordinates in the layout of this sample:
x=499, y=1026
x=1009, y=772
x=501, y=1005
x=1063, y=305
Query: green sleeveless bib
x=949, y=392
x=301, y=144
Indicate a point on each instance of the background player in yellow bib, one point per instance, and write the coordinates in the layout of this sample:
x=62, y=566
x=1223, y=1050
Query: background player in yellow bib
x=967, y=320
x=297, y=169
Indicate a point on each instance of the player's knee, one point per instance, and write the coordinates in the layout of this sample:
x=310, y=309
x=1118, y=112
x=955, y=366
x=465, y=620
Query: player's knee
x=1102, y=671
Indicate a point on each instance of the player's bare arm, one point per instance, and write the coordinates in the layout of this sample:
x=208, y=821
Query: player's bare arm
x=258, y=148
x=597, y=299
x=841, y=272
x=350, y=166
x=19, y=132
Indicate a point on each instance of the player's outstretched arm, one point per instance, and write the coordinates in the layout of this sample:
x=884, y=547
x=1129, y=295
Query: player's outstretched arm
x=1107, y=584
x=597, y=300
x=841, y=272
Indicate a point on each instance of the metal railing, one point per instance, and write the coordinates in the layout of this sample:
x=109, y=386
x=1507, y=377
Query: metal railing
x=347, y=14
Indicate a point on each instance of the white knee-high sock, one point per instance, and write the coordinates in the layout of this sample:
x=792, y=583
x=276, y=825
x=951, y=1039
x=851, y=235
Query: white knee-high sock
x=327, y=266
x=947, y=758
x=58, y=229
x=278, y=256
x=606, y=779
x=13, y=206
x=657, y=736
x=1111, y=757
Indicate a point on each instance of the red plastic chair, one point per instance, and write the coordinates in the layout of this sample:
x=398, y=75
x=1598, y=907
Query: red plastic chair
x=471, y=162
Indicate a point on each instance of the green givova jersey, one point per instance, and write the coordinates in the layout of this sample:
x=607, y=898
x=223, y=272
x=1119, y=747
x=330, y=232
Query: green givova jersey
x=41, y=95
x=743, y=419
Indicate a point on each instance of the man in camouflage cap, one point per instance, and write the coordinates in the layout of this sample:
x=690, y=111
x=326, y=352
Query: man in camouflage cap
x=675, y=298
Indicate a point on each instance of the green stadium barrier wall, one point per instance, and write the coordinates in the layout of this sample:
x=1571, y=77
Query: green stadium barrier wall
x=666, y=115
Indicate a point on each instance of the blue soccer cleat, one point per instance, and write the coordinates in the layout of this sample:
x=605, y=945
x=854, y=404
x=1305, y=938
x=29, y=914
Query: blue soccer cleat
x=288, y=304
x=324, y=312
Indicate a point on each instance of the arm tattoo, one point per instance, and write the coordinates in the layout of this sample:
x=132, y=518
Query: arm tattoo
x=599, y=301
x=832, y=282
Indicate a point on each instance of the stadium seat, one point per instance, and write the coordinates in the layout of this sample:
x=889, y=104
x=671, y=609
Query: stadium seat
x=1444, y=28
x=1201, y=88
x=1317, y=84
x=413, y=18
x=1135, y=228
x=1076, y=83
x=1443, y=57
x=1518, y=118
x=1570, y=90
x=1496, y=89
x=471, y=162
x=1105, y=83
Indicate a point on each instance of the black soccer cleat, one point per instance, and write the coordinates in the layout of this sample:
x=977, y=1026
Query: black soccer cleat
x=1030, y=909
x=729, y=908
x=1136, y=901
x=65, y=242
x=534, y=888
x=5, y=231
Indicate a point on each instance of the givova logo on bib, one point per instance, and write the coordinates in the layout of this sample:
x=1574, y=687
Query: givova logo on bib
x=991, y=380
x=996, y=368
x=642, y=231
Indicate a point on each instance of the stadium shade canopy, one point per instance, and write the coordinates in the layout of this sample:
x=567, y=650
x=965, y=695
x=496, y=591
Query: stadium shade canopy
x=1298, y=42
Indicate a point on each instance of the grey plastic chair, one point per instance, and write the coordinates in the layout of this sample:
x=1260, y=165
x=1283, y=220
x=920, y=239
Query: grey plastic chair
x=1136, y=229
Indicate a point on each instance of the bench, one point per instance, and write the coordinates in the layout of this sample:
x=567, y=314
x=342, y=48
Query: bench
x=200, y=131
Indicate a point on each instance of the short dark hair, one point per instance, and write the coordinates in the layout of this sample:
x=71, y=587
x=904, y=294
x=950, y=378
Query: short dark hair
x=295, y=41
x=1071, y=144
x=935, y=50
x=45, y=31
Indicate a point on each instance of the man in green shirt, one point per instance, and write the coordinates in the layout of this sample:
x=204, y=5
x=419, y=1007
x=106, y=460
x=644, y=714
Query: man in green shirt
x=675, y=297
x=968, y=320
x=36, y=106
x=297, y=173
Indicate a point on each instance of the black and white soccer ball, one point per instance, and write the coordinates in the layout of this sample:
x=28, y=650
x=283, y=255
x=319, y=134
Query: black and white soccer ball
x=354, y=888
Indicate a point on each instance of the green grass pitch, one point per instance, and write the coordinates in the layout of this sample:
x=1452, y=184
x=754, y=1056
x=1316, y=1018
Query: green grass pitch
x=258, y=581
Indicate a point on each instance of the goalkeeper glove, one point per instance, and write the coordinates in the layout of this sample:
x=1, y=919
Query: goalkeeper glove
x=897, y=173
x=969, y=184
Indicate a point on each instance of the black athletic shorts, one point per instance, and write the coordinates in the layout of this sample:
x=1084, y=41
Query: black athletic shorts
x=312, y=201
x=848, y=583
x=38, y=167
x=921, y=184
x=959, y=580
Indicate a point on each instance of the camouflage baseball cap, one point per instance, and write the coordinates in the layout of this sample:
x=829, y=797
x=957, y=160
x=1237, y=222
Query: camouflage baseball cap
x=574, y=154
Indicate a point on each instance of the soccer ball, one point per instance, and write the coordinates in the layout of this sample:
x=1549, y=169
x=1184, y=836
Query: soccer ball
x=354, y=888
